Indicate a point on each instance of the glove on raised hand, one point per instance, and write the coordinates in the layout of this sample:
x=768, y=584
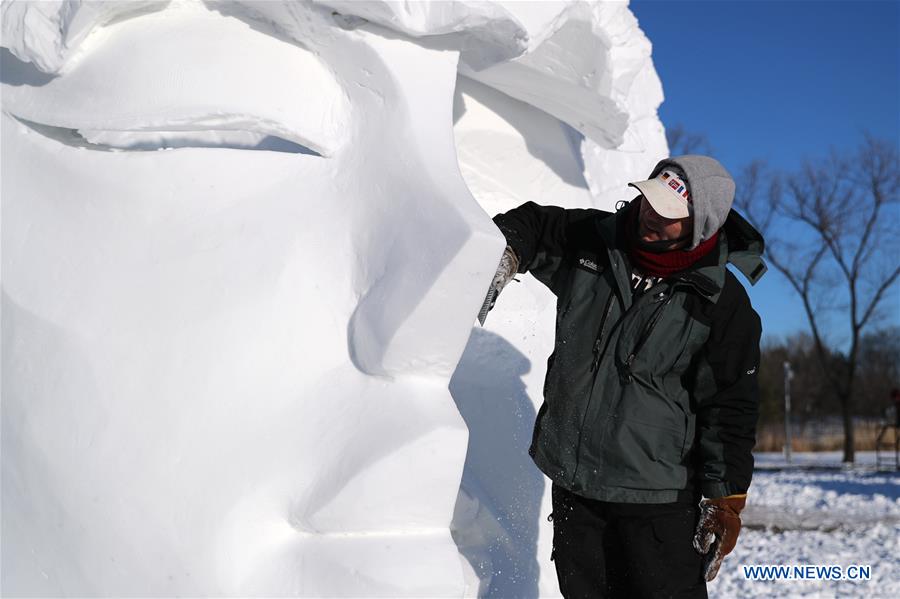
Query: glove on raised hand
x=717, y=531
x=506, y=270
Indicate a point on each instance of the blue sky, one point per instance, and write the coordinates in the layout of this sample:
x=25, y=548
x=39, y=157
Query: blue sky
x=782, y=81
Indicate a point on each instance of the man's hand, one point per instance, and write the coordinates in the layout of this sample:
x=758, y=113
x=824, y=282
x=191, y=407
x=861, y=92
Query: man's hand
x=506, y=270
x=717, y=531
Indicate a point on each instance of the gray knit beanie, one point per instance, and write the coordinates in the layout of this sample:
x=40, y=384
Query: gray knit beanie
x=711, y=188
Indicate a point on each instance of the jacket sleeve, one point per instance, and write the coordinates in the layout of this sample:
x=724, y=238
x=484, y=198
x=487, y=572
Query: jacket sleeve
x=540, y=237
x=726, y=393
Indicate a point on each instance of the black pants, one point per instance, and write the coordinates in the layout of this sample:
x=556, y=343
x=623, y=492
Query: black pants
x=625, y=550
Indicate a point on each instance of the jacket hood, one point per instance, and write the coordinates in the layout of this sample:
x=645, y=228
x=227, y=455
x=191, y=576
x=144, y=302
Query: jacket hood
x=739, y=244
x=711, y=188
x=745, y=247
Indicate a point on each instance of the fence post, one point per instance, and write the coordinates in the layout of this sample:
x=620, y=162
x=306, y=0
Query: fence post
x=788, y=375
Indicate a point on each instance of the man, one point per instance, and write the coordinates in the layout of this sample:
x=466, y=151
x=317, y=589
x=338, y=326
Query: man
x=651, y=396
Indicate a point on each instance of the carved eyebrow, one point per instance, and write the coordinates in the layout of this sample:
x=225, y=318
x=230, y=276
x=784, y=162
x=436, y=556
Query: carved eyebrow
x=47, y=34
x=152, y=140
x=201, y=86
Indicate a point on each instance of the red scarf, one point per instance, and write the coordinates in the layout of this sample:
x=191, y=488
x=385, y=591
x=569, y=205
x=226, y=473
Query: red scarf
x=660, y=264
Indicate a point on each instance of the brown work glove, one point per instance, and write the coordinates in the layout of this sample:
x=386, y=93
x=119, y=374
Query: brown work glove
x=717, y=531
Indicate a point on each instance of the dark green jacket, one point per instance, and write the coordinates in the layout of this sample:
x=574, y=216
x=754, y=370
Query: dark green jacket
x=648, y=399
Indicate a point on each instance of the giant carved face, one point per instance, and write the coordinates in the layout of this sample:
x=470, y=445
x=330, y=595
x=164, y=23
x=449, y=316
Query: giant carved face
x=239, y=266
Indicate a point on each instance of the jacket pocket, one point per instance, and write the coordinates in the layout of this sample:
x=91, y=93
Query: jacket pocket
x=690, y=426
x=645, y=455
x=652, y=441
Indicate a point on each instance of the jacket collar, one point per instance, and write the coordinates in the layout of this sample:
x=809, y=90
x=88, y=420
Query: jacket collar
x=739, y=243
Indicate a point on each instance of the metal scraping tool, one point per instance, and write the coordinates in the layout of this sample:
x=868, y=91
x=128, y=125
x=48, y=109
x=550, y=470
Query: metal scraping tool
x=488, y=304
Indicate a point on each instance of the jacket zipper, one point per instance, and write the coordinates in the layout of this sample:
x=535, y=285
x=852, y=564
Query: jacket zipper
x=626, y=375
x=607, y=310
x=598, y=341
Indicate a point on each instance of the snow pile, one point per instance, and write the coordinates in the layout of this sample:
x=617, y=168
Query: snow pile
x=243, y=247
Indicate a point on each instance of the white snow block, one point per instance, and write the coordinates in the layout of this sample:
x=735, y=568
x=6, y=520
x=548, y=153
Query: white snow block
x=581, y=62
x=580, y=68
x=485, y=32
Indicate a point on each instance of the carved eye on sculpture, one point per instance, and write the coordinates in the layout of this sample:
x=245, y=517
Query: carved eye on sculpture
x=196, y=81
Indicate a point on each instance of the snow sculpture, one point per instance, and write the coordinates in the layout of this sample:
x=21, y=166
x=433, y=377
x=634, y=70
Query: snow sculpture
x=240, y=264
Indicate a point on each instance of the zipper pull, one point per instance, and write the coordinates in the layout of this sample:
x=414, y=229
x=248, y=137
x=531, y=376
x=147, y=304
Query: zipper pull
x=596, y=361
x=626, y=371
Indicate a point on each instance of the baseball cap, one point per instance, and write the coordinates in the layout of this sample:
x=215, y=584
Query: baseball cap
x=667, y=193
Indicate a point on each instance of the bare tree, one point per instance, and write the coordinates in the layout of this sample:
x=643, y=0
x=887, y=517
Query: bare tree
x=832, y=230
x=681, y=141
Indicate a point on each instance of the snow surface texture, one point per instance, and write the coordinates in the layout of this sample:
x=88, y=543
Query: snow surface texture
x=817, y=513
x=243, y=247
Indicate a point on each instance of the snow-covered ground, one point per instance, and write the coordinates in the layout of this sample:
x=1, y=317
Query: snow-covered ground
x=814, y=512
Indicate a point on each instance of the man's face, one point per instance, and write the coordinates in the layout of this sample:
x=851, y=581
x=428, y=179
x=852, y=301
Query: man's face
x=653, y=227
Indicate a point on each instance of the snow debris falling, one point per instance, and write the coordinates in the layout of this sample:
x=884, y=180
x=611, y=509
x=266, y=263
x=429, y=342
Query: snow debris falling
x=244, y=244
